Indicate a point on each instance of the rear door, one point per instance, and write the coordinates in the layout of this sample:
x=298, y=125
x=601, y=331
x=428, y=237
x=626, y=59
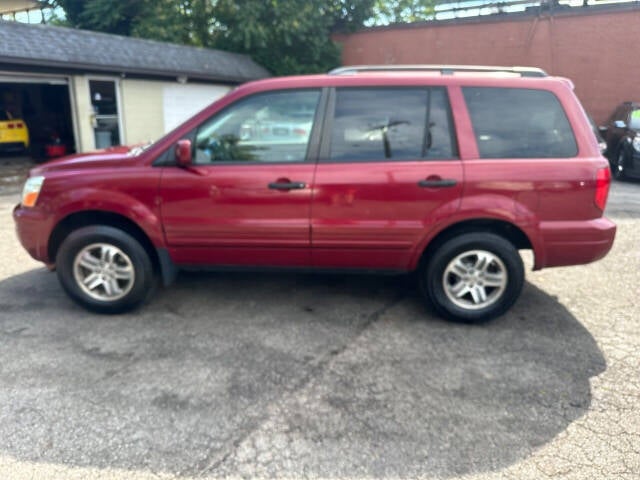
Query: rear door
x=388, y=170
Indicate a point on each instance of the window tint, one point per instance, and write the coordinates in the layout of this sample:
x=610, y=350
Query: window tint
x=519, y=123
x=389, y=123
x=269, y=127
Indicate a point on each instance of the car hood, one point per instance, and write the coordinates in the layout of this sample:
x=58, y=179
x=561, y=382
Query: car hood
x=108, y=158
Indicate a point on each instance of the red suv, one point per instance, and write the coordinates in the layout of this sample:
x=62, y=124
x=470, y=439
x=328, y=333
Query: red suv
x=445, y=170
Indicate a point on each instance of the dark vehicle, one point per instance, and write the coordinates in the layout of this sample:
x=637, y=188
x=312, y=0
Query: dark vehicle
x=622, y=134
x=369, y=169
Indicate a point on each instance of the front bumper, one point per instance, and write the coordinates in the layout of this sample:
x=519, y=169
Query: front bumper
x=33, y=228
x=575, y=242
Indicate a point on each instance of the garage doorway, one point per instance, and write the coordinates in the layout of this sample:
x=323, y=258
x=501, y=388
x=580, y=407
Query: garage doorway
x=45, y=107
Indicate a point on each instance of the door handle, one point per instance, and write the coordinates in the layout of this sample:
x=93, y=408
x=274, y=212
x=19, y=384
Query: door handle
x=281, y=185
x=437, y=183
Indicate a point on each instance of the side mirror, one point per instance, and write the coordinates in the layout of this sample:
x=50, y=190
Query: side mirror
x=603, y=129
x=183, y=153
x=619, y=124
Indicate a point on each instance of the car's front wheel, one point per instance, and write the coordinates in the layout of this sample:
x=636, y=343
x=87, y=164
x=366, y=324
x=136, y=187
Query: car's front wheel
x=105, y=269
x=473, y=277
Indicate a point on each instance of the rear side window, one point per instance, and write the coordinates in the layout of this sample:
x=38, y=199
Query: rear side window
x=4, y=116
x=390, y=124
x=519, y=123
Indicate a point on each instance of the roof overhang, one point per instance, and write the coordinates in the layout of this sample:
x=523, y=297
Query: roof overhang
x=70, y=68
x=13, y=6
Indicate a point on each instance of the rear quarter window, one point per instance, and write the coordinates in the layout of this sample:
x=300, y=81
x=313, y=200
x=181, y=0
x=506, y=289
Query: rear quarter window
x=519, y=123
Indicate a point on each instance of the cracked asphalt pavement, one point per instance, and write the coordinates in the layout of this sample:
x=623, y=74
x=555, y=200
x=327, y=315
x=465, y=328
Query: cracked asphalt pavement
x=256, y=375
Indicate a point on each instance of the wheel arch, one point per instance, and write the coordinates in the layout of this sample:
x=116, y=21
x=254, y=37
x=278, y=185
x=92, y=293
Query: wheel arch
x=88, y=218
x=507, y=230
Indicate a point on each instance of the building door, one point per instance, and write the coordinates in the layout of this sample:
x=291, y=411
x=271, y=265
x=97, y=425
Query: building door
x=106, y=114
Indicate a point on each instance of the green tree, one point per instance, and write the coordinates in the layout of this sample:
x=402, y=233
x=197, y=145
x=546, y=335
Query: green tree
x=286, y=36
x=155, y=19
x=402, y=11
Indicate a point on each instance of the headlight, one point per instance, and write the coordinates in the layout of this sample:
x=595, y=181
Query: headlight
x=636, y=143
x=31, y=191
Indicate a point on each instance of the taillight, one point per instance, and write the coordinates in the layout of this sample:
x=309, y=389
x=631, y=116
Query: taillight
x=11, y=126
x=19, y=125
x=603, y=180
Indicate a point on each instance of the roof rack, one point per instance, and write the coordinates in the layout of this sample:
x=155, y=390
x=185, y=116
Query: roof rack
x=443, y=69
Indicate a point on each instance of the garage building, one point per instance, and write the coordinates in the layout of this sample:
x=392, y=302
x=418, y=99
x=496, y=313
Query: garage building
x=88, y=90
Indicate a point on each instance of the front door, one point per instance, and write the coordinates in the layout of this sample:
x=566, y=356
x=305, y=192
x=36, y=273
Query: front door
x=246, y=199
x=106, y=116
x=388, y=170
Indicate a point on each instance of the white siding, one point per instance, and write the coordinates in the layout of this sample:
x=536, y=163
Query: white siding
x=141, y=110
x=182, y=101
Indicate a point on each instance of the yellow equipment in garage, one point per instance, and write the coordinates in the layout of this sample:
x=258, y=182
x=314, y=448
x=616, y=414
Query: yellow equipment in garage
x=14, y=134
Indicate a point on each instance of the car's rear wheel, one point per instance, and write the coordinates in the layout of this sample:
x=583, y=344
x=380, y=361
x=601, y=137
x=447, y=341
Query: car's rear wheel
x=473, y=277
x=105, y=269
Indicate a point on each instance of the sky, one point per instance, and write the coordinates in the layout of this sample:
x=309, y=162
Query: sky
x=470, y=8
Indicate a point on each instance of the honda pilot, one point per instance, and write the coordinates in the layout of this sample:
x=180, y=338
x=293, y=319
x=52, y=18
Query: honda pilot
x=442, y=170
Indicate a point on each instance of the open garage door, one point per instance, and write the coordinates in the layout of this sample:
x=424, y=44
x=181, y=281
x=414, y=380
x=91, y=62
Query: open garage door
x=43, y=104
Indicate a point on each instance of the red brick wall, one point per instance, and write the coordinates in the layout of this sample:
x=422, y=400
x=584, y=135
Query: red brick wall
x=599, y=51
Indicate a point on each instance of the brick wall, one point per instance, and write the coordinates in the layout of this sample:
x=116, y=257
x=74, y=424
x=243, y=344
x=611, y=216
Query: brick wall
x=596, y=48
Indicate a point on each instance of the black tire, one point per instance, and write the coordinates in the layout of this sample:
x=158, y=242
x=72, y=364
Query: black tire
x=132, y=257
x=498, y=299
x=619, y=163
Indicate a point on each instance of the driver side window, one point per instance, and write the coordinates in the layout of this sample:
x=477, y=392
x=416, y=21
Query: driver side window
x=267, y=127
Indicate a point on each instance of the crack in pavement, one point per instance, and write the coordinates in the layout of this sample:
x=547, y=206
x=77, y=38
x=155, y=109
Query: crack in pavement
x=214, y=460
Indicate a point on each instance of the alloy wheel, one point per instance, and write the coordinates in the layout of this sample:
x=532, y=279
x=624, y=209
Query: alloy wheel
x=103, y=272
x=475, y=279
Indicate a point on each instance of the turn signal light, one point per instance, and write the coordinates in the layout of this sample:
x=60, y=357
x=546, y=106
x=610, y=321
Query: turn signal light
x=30, y=199
x=31, y=190
x=603, y=181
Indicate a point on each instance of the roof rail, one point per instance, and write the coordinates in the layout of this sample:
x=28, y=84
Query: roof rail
x=443, y=69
